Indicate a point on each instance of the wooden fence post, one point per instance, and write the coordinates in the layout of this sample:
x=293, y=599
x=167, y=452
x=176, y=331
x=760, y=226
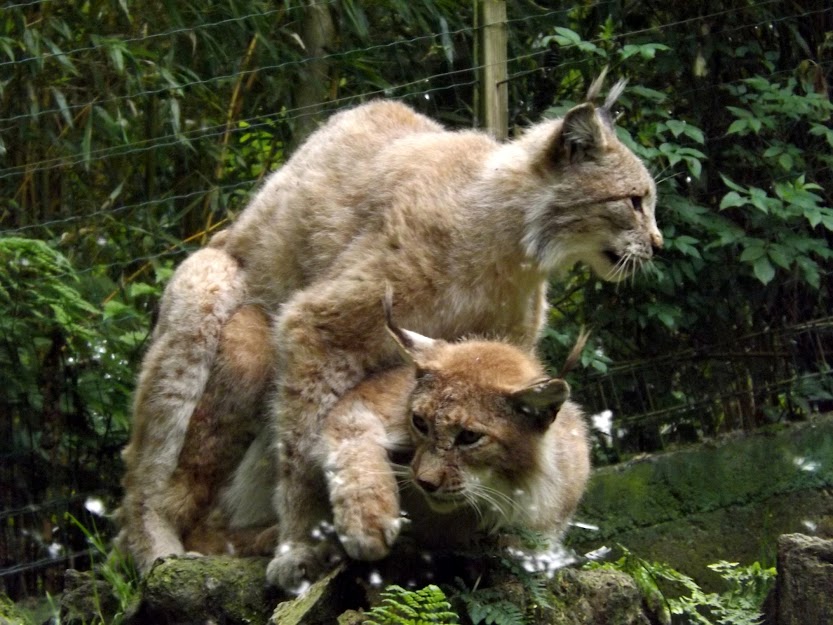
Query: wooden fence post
x=494, y=98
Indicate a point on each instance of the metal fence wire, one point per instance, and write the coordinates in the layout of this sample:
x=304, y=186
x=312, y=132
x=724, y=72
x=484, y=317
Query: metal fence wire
x=693, y=394
x=76, y=165
x=636, y=407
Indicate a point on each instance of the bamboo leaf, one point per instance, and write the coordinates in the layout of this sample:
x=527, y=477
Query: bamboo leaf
x=61, y=101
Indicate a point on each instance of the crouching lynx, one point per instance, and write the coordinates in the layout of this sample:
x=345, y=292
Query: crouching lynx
x=493, y=442
x=466, y=231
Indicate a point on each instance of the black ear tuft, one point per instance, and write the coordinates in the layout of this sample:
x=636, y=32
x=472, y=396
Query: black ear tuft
x=541, y=400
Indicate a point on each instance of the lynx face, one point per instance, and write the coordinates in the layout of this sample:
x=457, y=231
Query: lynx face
x=604, y=216
x=479, y=414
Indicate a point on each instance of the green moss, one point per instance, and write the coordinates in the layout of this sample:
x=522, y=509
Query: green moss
x=734, y=471
x=10, y=614
x=221, y=588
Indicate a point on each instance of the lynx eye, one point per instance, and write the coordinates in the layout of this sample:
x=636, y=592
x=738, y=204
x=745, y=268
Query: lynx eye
x=466, y=438
x=420, y=424
x=636, y=203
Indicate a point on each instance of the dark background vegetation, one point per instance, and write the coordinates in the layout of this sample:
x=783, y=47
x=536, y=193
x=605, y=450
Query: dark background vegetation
x=130, y=131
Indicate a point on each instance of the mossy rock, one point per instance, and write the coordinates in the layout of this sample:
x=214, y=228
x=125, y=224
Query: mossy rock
x=592, y=597
x=323, y=602
x=10, y=614
x=220, y=589
x=87, y=599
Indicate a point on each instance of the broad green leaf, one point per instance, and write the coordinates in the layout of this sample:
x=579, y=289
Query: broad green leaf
x=810, y=270
x=777, y=255
x=694, y=166
x=737, y=126
x=813, y=216
x=732, y=199
x=694, y=133
x=676, y=126
x=650, y=94
x=764, y=270
x=115, y=309
x=739, y=112
x=753, y=252
x=571, y=36
x=732, y=185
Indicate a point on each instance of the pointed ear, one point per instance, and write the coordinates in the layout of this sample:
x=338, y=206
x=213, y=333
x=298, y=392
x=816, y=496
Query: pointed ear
x=581, y=136
x=412, y=345
x=541, y=400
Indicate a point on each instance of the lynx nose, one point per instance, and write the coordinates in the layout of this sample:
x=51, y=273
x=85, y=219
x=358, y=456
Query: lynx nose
x=656, y=241
x=427, y=486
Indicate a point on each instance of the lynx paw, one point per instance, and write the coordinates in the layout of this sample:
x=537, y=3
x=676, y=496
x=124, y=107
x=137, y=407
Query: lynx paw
x=297, y=565
x=371, y=539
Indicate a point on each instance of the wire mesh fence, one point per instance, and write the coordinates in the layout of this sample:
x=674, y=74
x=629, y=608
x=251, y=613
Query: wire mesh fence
x=128, y=135
x=690, y=395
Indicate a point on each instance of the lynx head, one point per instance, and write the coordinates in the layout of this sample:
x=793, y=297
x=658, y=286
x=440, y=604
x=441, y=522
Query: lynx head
x=479, y=413
x=591, y=200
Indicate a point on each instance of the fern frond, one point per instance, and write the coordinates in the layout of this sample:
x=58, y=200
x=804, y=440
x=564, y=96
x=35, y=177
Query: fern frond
x=487, y=606
x=427, y=606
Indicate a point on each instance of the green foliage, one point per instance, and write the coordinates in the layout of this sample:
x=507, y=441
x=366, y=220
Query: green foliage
x=115, y=569
x=68, y=366
x=489, y=606
x=412, y=607
x=737, y=133
x=740, y=604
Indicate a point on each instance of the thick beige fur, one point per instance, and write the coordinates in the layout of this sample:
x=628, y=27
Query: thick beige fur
x=199, y=405
x=467, y=231
x=493, y=442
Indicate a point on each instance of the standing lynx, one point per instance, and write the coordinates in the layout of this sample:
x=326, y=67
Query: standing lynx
x=466, y=230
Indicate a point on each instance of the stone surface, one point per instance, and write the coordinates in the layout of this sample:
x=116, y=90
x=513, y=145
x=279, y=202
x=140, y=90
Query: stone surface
x=86, y=599
x=725, y=500
x=232, y=591
x=803, y=591
x=593, y=597
x=322, y=603
x=214, y=589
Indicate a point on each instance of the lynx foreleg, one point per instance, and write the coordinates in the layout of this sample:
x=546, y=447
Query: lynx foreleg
x=360, y=479
x=328, y=338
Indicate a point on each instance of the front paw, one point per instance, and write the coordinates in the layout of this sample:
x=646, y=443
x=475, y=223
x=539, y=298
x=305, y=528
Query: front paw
x=296, y=565
x=367, y=536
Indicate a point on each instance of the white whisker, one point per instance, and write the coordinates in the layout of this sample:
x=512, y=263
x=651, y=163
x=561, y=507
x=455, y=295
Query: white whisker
x=502, y=503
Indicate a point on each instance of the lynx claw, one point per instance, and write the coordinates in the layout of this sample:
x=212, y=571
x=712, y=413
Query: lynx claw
x=296, y=566
x=373, y=544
